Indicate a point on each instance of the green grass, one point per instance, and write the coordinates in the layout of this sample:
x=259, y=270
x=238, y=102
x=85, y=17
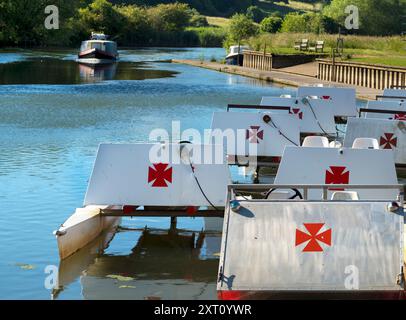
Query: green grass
x=271, y=6
x=300, y=6
x=218, y=21
x=389, y=51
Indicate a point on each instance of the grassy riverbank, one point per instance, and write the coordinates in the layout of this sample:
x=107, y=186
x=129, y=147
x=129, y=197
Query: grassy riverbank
x=390, y=50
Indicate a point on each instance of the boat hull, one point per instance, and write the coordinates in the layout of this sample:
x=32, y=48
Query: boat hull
x=81, y=228
x=235, y=59
x=96, y=56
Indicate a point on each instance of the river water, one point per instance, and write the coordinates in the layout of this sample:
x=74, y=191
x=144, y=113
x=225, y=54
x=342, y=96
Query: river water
x=53, y=115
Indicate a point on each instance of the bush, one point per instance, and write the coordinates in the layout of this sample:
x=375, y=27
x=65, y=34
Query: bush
x=308, y=22
x=294, y=22
x=209, y=36
x=271, y=24
x=376, y=17
x=241, y=27
x=170, y=17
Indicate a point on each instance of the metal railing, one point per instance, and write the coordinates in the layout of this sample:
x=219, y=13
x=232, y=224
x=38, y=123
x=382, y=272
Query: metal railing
x=233, y=188
x=362, y=110
x=261, y=107
x=390, y=97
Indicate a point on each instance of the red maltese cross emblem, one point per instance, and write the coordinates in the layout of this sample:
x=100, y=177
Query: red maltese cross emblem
x=254, y=135
x=160, y=174
x=313, y=237
x=337, y=175
x=388, y=141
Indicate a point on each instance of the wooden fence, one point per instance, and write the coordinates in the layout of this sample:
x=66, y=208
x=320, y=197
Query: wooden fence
x=257, y=60
x=361, y=74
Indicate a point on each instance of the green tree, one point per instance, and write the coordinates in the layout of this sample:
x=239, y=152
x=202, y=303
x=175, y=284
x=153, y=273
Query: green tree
x=294, y=22
x=100, y=16
x=170, y=17
x=376, y=17
x=241, y=27
x=136, y=28
x=23, y=21
x=271, y=24
x=308, y=22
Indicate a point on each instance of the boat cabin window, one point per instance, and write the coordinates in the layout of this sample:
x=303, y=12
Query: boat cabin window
x=97, y=45
x=110, y=46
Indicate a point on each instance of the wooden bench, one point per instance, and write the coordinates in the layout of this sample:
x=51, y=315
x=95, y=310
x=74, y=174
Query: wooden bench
x=317, y=47
x=302, y=45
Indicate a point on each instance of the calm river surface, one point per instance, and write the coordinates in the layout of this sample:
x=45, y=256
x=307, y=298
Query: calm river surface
x=53, y=115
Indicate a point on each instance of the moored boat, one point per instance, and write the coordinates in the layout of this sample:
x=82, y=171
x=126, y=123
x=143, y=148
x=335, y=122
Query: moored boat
x=236, y=56
x=98, y=50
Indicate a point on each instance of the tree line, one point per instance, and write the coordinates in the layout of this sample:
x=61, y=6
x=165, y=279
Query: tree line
x=171, y=23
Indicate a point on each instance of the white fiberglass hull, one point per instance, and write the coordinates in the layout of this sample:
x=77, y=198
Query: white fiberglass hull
x=81, y=228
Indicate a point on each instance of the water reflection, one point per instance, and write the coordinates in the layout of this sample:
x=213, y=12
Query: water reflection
x=51, y=70
x=163, y=264
x=94, y=73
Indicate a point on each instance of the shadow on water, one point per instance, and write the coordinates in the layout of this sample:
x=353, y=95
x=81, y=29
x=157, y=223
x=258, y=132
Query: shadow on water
x=58, y=71
x=163, y=264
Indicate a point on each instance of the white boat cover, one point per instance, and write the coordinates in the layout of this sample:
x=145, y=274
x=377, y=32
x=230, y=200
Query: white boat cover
x=389, y=133
x=339, y=166
x=249, y=135
x=386, y=105
x=316, y=116
x=154, y=175
x=279, y=101
x=344, y=99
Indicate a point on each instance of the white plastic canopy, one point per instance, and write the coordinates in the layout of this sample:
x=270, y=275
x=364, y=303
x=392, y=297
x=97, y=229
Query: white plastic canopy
x=155, y=175
x=386, y=105
x=339, y=166
x=344, y=99
x=389, y=133
x=249, y=135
